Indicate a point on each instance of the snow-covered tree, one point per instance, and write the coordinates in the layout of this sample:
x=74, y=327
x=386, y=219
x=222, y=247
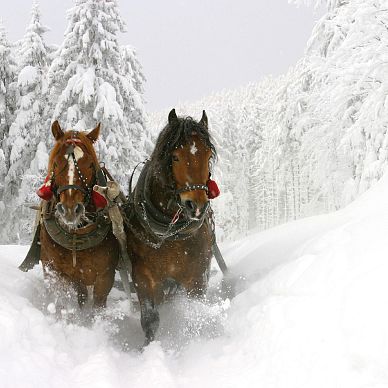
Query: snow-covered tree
x=7, y=86
x=303, y=143
x=314, y=138
x=7, y=106
x=29, y=127
x=93, y=80
x=132, y=68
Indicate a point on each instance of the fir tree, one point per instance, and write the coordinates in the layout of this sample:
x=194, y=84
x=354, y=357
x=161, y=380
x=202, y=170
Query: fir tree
x=28, y=129
x=7, y=107
x=7, y=88
x=90, y=83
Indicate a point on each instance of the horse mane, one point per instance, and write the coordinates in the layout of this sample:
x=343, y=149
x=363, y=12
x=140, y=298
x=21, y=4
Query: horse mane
x=173, y=136
x=86, y=142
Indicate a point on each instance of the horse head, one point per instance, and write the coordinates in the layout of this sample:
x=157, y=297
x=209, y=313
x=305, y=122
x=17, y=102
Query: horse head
x=185, y=149
x=73, y=164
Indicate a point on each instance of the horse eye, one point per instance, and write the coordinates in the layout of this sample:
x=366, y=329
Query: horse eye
x=175, y=158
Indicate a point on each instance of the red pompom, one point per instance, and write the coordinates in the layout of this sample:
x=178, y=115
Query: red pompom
x=98, y=200
x=46, y=192
x=213, y=190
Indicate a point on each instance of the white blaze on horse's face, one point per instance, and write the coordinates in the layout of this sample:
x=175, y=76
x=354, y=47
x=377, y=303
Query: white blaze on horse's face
x=190, y=166
x=193, y=148
x=78, y=154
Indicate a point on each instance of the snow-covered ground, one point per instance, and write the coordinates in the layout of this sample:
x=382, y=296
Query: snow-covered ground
x=310, y=311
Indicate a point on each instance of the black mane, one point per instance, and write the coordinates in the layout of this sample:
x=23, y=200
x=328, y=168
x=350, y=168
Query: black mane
x=173, y=136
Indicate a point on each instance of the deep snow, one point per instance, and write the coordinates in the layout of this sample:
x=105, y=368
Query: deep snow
x=310, y=311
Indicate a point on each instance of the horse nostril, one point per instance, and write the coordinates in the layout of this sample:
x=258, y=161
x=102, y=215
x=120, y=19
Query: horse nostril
x=190, y=205
x=61, y=208
x=79, y=208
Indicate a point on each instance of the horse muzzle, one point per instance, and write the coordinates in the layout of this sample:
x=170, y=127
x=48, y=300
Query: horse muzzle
x=71, y=215
x=193, y=199
x=194, y=210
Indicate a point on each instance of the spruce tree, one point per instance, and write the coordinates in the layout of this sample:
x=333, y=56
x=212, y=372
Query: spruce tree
x=7, y=88
x=28, y=131
x=90, y=83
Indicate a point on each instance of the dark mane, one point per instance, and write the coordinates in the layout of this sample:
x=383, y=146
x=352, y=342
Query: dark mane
x=173, y=136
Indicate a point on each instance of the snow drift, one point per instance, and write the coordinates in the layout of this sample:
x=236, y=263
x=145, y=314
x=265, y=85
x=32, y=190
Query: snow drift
x=310, y=311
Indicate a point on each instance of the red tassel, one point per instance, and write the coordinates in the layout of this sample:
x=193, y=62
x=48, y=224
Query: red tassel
x=214, y=191
x=46, y=192
x=98, y=200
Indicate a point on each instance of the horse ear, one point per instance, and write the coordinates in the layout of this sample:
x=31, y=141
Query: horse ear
x=204, y=121
x=172, y=117
x=56, y=130
x=93, y=135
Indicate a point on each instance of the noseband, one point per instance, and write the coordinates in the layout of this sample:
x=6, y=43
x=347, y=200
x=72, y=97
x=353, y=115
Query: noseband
x=192, y=188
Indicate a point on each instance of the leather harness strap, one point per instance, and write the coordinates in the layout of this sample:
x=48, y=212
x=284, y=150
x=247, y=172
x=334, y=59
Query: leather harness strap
x=82, y=238
x=156, y=223
x=100, y=177
x=160, y=225
x=60, y=189
x=192, y=188
x=89, y=235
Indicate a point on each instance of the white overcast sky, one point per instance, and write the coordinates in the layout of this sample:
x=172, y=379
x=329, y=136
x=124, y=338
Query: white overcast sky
x=190, y=48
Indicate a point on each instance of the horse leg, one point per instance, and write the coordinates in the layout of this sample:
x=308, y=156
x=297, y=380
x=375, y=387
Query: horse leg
x=149, y=319
x=60, y=291
x=82, y=294
x=197, y=288
x=170, y=288
x=50, y=278
x=102, y=287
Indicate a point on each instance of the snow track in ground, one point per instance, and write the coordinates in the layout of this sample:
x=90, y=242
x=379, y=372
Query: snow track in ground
x=311, y=311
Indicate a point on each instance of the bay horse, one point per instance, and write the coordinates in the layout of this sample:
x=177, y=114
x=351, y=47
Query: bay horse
x=170, y=228
x=78, y=248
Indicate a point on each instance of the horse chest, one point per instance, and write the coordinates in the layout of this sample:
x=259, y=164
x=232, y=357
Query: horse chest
x=185, y=259
x=90, y=263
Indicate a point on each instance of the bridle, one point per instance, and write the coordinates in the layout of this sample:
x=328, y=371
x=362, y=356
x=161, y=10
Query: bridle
x=192, y=188
x=155, y=222
x=85, y=188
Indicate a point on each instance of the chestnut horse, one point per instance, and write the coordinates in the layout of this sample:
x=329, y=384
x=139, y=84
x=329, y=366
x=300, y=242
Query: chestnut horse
x=170, y=228
x=78, y=248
